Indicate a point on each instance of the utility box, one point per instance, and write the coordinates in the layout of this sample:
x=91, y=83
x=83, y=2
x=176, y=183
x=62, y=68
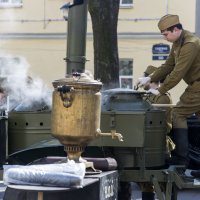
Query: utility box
x=103, y=186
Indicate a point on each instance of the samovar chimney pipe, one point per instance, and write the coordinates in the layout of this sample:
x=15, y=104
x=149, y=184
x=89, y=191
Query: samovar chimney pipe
x=76, y=37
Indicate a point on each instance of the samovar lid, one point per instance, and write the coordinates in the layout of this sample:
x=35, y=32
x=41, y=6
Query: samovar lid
x=77, y=79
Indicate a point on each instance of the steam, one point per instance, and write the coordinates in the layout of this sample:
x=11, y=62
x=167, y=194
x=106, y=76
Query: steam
x=18, y=86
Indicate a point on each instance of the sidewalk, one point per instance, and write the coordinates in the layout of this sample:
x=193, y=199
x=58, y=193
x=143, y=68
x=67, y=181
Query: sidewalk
x=2, y=190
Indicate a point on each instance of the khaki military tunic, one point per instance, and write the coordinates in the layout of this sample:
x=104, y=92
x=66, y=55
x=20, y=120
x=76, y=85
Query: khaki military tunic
x=183, y=63
x=163, y=99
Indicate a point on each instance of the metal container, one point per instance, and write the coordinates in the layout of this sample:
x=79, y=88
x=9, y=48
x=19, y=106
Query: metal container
x=76, y=113
x=27, y=125
x=142, y=126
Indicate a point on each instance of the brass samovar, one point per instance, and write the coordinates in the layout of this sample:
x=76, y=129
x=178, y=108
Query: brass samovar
x=76, y=102
x=76, y=112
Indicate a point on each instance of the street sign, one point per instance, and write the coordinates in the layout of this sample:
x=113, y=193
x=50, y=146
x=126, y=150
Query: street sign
x=159, y=57
x=160, y=51
x=161, y=48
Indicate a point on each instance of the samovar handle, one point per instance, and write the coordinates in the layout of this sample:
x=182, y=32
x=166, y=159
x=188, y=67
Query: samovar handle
x=66, y=95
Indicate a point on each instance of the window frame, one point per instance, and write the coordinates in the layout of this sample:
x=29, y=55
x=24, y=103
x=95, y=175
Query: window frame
x=10, y=4
x=127, y=65
x=126, y=5
x=128, y=85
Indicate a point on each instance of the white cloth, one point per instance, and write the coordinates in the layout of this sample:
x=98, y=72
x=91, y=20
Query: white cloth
x=143, y=80
x=68, y=174
x=153, y=91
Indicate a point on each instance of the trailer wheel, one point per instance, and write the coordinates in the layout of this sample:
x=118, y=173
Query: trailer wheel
x=125, y=190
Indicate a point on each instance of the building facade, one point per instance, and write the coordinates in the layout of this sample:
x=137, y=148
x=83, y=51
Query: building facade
x=36, y=31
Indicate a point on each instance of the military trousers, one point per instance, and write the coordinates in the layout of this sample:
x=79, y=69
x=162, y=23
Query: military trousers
x=188, y=105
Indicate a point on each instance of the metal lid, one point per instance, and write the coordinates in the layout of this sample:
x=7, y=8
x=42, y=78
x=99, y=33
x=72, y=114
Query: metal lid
x=77, y=79
x=124, y=100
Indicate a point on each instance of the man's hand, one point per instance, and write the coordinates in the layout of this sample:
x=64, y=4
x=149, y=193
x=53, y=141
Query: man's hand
x=154, y=91
x=143, y=81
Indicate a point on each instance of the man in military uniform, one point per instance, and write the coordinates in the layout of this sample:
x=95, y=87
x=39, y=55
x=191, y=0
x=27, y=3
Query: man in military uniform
x=159, y=99
x=148, y=191
x=183, y=63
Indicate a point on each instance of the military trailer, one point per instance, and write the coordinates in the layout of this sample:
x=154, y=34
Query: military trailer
x=134, y=133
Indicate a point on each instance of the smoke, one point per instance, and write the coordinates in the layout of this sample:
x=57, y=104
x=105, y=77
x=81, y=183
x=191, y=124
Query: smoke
x=18, y=86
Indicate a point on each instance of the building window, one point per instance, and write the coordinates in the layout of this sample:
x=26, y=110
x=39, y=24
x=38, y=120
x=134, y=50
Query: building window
x=126, y=3
x=126, y=73
x=10, y=3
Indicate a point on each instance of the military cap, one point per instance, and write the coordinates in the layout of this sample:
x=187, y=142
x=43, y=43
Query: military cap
x=149, y=70
x=168, y=21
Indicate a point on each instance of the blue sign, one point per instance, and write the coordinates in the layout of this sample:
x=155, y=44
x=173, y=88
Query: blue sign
x=159, y=57
x=160, y=49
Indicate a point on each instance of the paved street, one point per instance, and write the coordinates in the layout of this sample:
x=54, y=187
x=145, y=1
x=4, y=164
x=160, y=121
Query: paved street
x=187, y=194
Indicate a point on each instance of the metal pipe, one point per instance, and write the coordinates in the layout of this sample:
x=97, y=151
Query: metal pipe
x=76, y=37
